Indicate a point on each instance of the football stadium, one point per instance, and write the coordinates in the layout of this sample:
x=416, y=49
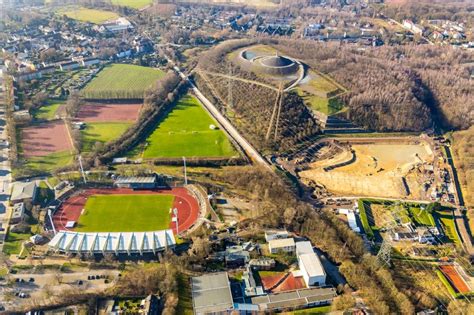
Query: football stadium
x=123, y=220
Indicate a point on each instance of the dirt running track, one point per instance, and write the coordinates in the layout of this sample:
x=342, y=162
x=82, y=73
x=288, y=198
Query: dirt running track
x=45, y=139
x=100, y=112
x=187, y=205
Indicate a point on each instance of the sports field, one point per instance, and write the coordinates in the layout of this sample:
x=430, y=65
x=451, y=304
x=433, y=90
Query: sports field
x=48, y=111
x=130, y=214
x=44, y=139
x=89, y=15
x=102, y=132
x=50, y=162
x=185, y=132
x=121, y=81
x=126, y=213
x=136, y=4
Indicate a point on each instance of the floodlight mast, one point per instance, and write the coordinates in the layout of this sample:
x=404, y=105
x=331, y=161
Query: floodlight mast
x=82, y=170
x=185, y=173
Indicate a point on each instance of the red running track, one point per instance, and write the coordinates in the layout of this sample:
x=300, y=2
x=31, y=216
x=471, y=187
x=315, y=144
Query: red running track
x=187, y=205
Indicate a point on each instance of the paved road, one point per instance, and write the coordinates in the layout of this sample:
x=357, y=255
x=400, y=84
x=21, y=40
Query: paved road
x=5, y=171
x=460, y=219
x=225, y=124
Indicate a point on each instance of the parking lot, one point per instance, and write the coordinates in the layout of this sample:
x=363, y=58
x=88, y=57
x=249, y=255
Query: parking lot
x=27, y=288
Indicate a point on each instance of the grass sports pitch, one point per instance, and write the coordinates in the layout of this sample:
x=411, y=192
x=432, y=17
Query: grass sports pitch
x=89, y=15
x=136, y=4
x=102, y=132
x=185, y=132
x=121, y=81
x=126, y=213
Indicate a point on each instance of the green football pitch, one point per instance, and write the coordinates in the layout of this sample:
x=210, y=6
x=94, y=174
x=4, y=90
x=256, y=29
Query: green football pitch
x=122, y=81
x=126, y=213
x=186, y=131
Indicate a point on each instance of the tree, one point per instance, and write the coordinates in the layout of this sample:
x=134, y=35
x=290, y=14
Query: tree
x=73, y=104
x=343, y=302
x=460, y=307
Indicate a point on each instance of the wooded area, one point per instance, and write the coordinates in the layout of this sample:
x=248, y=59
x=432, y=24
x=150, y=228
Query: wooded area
x=404, y=88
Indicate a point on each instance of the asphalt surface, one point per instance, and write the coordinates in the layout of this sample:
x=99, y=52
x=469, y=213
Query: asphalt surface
x=5, y=171
x=40, y=287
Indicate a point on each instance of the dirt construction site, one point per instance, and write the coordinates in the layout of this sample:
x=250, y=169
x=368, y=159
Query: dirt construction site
x=397, y=168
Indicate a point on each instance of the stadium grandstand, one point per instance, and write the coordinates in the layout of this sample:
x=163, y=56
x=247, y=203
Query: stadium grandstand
x=115, y=243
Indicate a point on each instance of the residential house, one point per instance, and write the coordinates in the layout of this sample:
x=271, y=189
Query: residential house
x=18, y=213
x=286, y=245
x=236, y=256
x=414, y=28
x=262, y=263
x=275, y=234
x=23, y=191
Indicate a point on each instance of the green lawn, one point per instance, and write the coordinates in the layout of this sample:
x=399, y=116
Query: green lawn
x=446, y=220
x=50, y=162
x=185, y=132
x=363, y=207
x=421, y=216
x=126, y=213
x=409, y=212
x=13, y=242
x=136, y=4
x=185, y=302
x=327, y=106
x=102, y=132
x=121, y=81
x=314, y=310
x=48, y=112
x=446, y=283
x=3, y=272
x=89, y=15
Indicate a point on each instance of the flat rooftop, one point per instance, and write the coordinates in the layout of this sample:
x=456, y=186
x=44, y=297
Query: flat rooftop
x=211, y=293
x=298, y=298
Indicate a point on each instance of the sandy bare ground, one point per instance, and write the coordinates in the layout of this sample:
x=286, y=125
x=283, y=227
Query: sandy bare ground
x=45, y=138
x=377, y=171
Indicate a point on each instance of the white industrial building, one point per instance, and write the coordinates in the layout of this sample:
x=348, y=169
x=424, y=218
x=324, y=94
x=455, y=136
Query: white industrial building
x=310, y=266
x=351, y=218
x=115, y=243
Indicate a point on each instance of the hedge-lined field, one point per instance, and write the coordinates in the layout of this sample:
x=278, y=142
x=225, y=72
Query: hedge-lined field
x=89, y=15
x=48, y=111
x=102, y=132
x=136, y=4
x=121, y=81
x=186, y=131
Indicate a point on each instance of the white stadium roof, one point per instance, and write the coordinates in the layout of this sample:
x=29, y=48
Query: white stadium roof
x=116, y=243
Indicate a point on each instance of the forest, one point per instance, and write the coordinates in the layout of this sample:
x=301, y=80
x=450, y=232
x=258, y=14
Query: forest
x=404, y=88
